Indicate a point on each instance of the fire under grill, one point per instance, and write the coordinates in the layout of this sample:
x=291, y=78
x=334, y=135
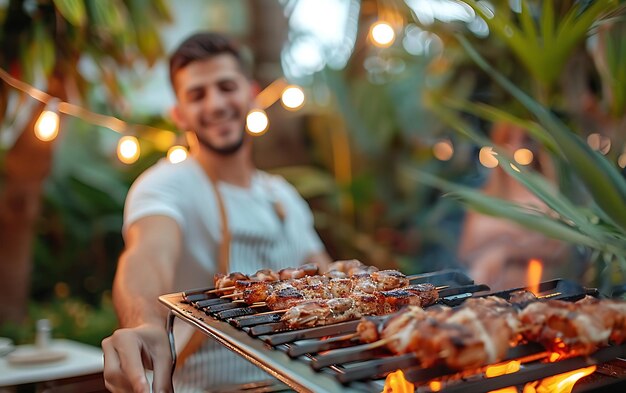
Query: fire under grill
x=332, y=359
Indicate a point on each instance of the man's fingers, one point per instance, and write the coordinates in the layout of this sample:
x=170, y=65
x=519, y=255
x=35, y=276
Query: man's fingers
x=114, y=379
x=129, y=351
x=162, y=366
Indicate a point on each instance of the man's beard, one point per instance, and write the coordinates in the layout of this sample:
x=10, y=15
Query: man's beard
x=223, y=150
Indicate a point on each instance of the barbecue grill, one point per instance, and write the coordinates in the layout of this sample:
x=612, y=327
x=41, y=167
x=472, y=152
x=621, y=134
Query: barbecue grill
x=330, y=359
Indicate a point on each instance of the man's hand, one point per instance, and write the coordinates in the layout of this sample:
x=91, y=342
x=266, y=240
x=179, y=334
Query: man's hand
x=129, y=352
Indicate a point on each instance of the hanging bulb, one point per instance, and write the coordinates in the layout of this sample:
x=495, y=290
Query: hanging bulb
x=523, y=156
x=47, y=125
x=292, y=97
x=487, y=157
x=128, y=149
x=443, y=150
x=177, y=154
x=382, y=34
x=257, y=122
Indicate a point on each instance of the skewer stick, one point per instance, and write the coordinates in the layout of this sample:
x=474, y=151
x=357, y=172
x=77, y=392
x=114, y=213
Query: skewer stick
x=347, y=337
x=221, y=289
x=257, y=305
x=442, y=287
x=304, y=321
x=549, y=295
x=272, y=312
x=379, y=343
x=232, y=295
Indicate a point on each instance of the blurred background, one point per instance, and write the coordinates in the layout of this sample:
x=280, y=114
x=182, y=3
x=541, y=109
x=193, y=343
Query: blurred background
x=434, y=134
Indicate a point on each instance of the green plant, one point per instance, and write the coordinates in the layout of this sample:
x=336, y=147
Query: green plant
x=70, y=318
x=597, y=220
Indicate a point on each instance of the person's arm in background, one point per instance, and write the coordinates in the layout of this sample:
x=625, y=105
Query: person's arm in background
x=145, y=271
x=321, y=259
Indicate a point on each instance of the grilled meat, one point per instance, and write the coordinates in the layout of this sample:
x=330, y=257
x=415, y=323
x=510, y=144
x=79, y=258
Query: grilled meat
x=575, y=328
x=228, y=280
x=482, y=329
x=322, y=287
x=362, y=304
x=469, y=336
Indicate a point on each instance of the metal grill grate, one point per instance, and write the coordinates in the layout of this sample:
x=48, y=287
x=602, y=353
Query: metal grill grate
x=329, y=358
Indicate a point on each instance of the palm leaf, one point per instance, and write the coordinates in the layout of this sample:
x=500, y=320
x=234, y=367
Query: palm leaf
x=600, y=177
x=534, y=182
x=493, y=114
x=521, y=215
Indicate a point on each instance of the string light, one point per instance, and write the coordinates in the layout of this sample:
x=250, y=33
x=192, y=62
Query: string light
x=177, y=154
x=443, y=150
x=523, y=156
x=257, y=122
x=47, y=125
x=128, y=149
x=487, y=157
x=599, y=142
x=382, y=34
x=292, y=97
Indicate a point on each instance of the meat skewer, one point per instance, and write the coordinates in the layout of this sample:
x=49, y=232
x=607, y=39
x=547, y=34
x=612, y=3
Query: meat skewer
x=575, y=328
x=337, y=269
x=481, y=331
x=283, y=294
x=321, y=312
x=466, y=337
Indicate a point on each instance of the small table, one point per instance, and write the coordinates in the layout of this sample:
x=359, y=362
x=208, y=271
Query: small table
x=81, y=360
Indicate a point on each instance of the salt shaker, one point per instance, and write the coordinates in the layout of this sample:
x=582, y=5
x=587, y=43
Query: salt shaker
x=42, y=338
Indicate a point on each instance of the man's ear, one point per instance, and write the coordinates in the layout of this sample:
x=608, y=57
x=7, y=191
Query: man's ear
x=178, y=119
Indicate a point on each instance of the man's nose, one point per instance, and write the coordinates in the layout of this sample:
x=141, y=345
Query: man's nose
x=215, y=101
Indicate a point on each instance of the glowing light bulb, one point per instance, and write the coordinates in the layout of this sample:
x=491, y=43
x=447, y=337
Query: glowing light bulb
x=177, y=154
x=292, y=97
x=382, y=34
x=487, y=157
x=257, y=122
x=128, y=149
x=599, y=142
x=47, y=125
x=523, y=156
x=621, y=160
x=443, y=150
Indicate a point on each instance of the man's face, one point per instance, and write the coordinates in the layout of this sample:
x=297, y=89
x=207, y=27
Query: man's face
x=214, y=97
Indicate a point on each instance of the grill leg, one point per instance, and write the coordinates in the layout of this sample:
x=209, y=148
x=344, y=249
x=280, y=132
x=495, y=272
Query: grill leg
x=170, y=335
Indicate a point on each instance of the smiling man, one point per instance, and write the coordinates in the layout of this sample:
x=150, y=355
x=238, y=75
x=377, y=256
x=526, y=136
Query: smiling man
x=214, y=212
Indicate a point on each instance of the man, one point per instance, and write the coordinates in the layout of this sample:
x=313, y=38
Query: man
x=179, y=217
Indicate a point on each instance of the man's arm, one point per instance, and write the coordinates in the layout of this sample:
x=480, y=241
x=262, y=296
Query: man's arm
x=321, y=259
x=145, y=271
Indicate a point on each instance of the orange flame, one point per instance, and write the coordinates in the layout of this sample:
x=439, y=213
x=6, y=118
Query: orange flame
x=533, y=277
x=396, y=383
x=435, y=386
x=562, y=383
x=510, y=389
x=554, y=357
x=502, y=368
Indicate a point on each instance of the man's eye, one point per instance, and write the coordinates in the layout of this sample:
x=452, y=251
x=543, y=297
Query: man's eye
x=228, y=86
x=194, y=97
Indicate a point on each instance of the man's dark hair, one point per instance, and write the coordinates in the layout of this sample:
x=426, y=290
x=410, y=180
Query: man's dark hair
x=202, y=46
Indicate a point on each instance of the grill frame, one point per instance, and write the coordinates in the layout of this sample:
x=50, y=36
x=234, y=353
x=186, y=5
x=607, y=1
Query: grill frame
x=297, y=375
x=275, y=359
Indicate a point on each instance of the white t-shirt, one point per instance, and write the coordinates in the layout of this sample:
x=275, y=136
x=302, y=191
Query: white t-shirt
x=259, y=240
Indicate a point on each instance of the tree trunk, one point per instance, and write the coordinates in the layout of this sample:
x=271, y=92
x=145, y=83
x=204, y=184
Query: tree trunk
x=26, y=166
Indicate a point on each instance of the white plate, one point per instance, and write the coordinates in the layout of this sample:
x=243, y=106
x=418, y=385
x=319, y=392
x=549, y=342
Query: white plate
x=28, y=356
x=6, y=345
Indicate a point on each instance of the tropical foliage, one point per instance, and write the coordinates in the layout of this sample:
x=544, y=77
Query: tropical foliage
x=78, y=51
x=544, y=42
